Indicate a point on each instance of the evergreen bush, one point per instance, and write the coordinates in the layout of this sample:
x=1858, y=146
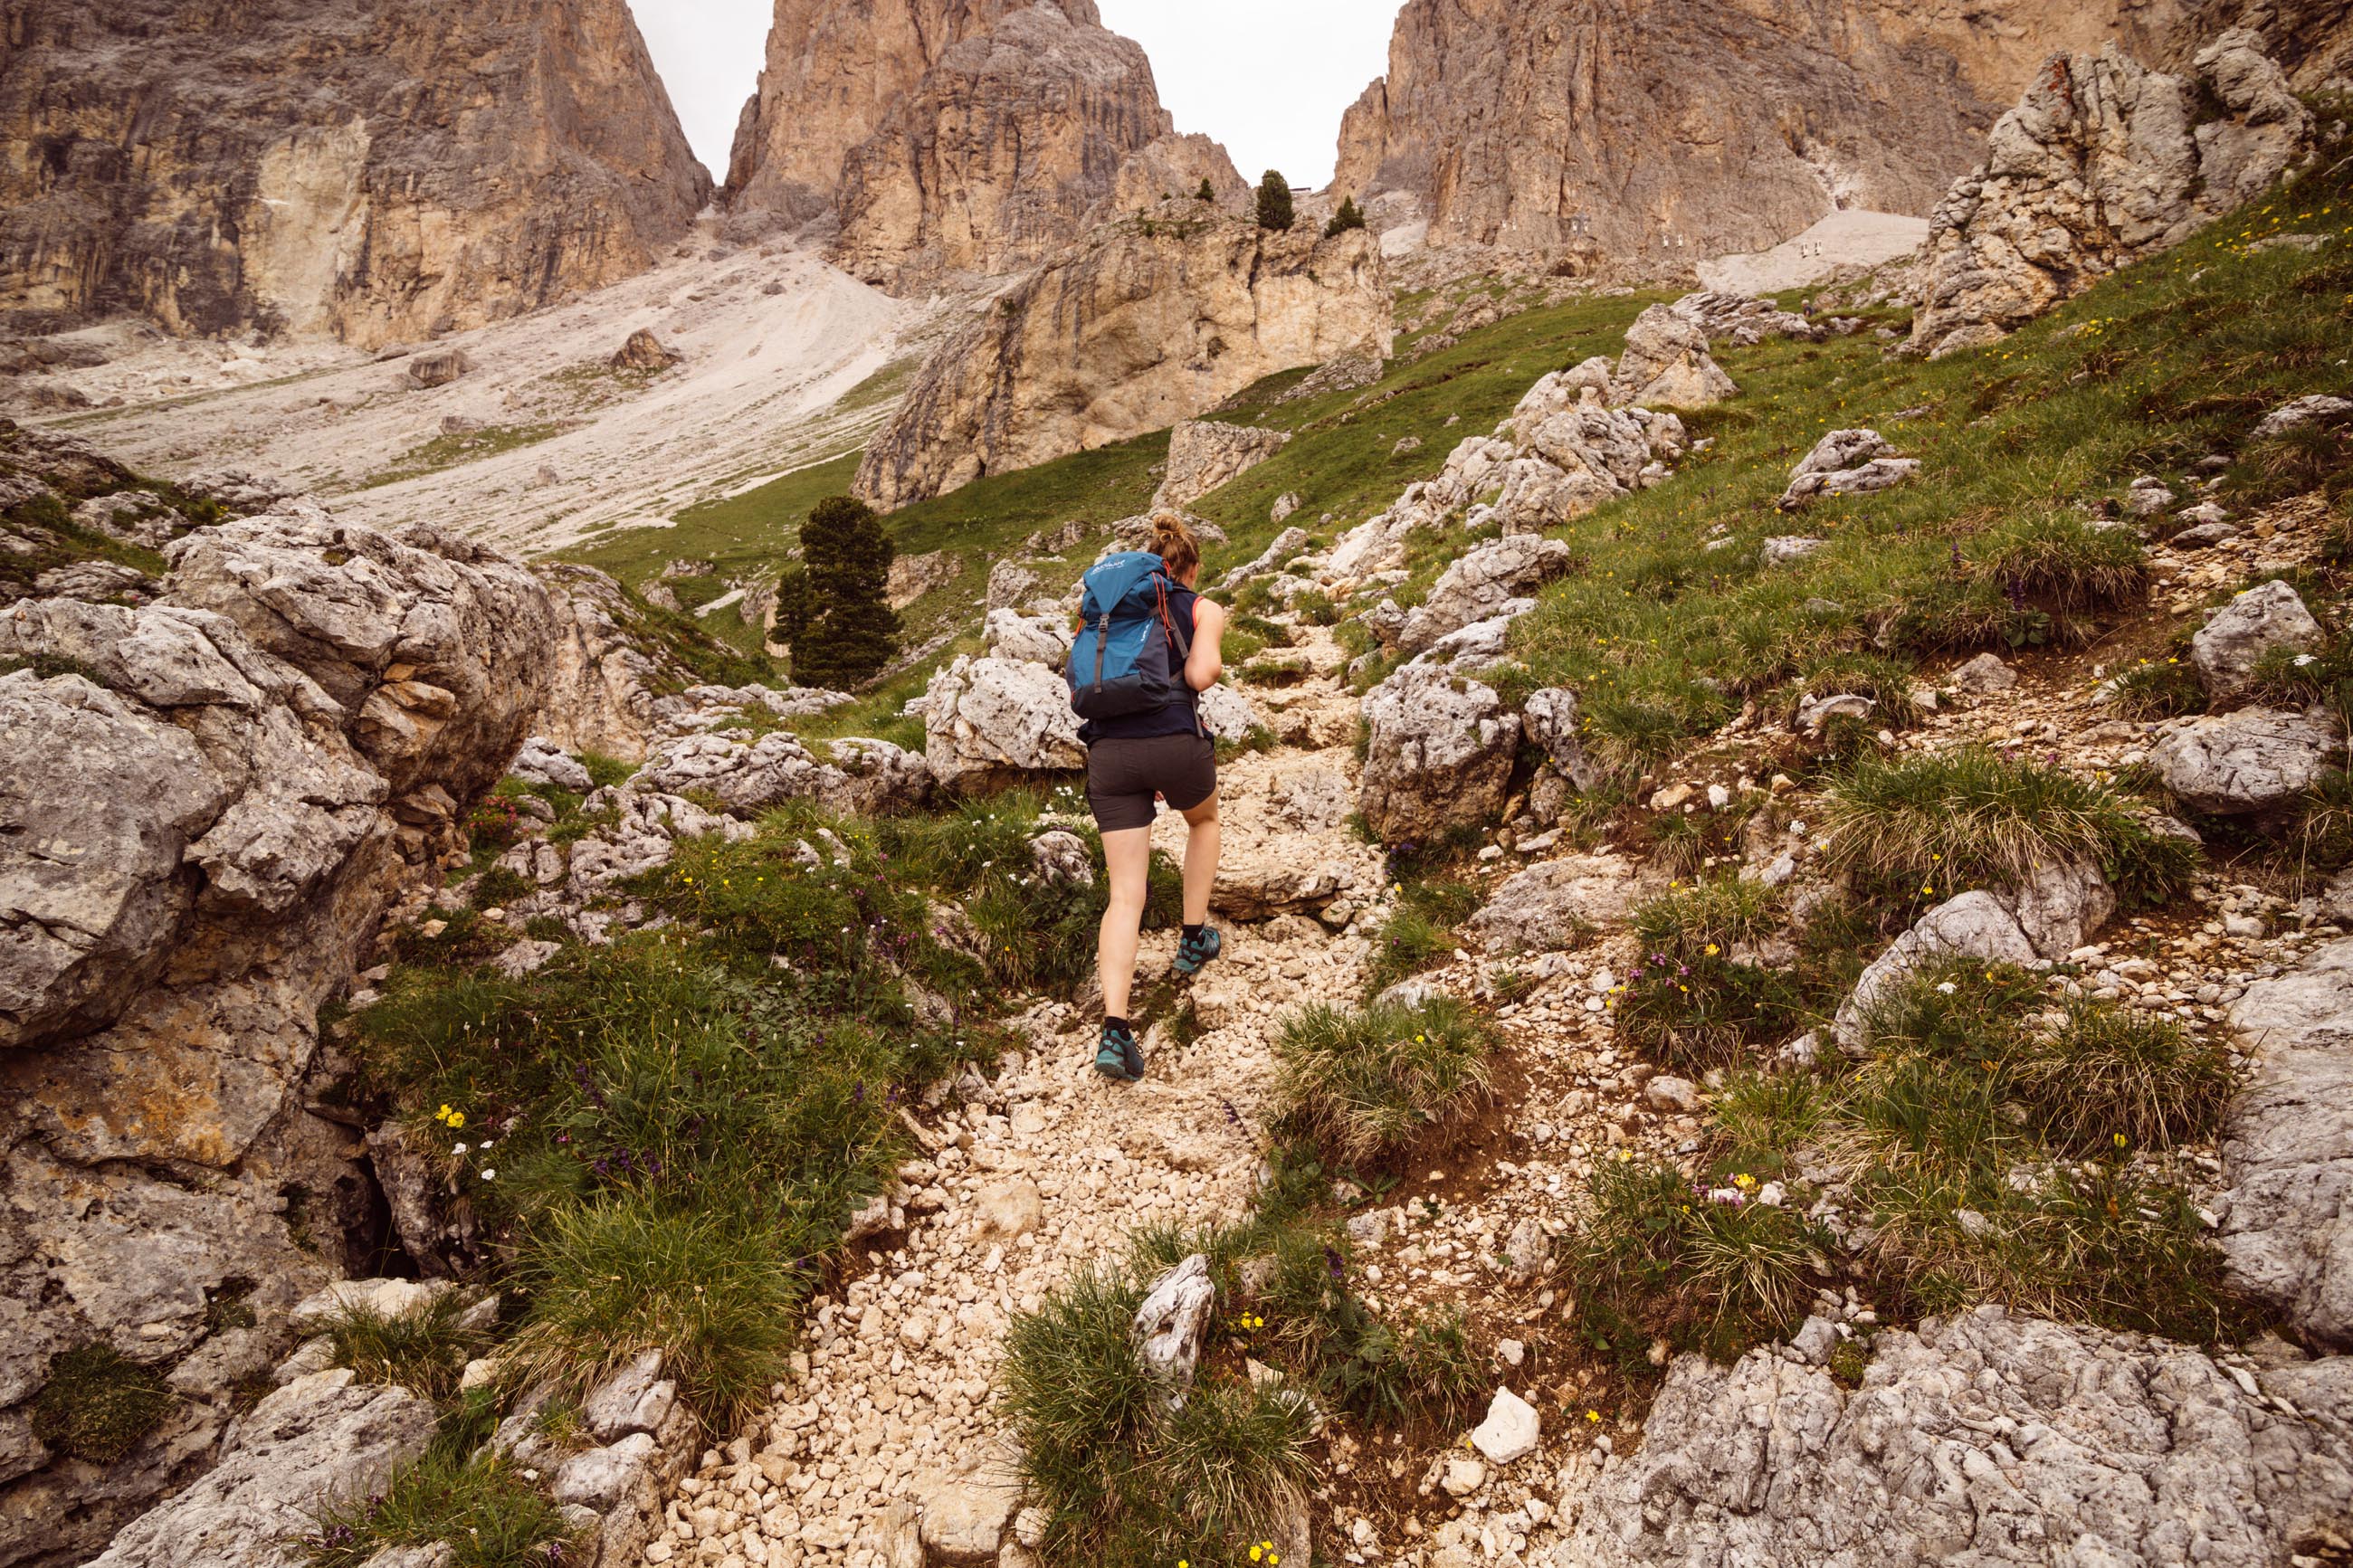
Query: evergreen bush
x=846, y=632
x=1350, y=215
x=1274, y=201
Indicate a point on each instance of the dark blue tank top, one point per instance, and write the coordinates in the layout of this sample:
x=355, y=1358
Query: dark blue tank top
x=1177, y=718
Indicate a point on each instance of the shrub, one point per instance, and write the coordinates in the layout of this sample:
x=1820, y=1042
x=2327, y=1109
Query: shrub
x=1274, y=210
x=849, y=631
x=1971, y=817
x=97, y=1404
x=1363, y=1084
x=1349, y=215
x=1208, y=193
x=1127, y=1481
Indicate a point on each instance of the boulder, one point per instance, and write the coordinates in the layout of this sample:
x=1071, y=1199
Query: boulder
x=542, y=762
x=1666, y=364
x=320, y=1438
x=1062, y=859
x=1037, y=639
x=1982, y=1438
x=2267, y=616
x=1543, y=908
x=963, y=1518
x=1204, y=454
x=1784, y=549
x=2236, y=764
x=644, y=352
x=987, y=717
x=1552, y=722
x=1008, y=582
x=1973, y=925
x=1743, y=319
x=1478, y=585
x=604, y=1480
x=1229, y=714
x=1846, y=463
x=912, y=576
x=863, y=777
x=2102, y=162
x=439, y=367
x=2289, y=416
x=2287, y=1151
x=1438, y=753
x=1287, y=543
x=2062, y=907
x=1984, y=673
x=637, y=1398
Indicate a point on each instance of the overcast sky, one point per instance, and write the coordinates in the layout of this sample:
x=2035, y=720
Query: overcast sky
x=1268, y=78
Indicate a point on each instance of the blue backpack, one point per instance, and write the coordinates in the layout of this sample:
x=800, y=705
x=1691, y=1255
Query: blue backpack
x=1129, y=656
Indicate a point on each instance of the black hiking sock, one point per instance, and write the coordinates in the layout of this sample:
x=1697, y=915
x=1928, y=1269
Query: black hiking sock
x=1118, y=1024
x=1193, y=933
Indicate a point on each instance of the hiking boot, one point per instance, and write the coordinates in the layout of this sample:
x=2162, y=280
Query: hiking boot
x=1193, y=951
x=1117, y=1057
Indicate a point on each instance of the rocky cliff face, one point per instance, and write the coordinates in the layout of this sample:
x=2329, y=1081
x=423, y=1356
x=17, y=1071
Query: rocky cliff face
x=1150, y=321
x=2103, y=161
x=1698, y=127
x=363, y=168
x=957, y=136
x=836, y=71
x=993, y=160
x=211, y=800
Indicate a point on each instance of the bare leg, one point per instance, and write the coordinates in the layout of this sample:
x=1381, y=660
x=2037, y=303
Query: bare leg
x=1127, y=855
x=1200, y=859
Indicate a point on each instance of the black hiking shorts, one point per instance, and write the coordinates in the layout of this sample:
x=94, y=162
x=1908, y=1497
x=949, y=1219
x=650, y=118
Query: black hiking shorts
x=1123, y=776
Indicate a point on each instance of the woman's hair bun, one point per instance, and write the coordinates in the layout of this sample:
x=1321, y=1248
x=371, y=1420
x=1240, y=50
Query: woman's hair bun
x=1173, y=542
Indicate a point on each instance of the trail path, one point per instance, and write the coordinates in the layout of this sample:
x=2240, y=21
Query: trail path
x=1044, y=1169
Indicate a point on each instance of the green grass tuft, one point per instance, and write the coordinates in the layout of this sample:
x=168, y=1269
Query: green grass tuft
x=1363, y=1084
x=97, y=1404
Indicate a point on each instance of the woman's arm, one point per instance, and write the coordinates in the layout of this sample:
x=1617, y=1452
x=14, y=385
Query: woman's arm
x=1208, y=659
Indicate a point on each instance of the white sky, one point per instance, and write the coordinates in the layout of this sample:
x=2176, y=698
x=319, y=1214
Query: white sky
x=1268, y=78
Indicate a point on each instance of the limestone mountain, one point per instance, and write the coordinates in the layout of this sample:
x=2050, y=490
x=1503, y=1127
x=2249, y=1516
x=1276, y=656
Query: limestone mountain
x=361, y=168
x=975, y=136
x=991, y=163
x=835, y=70
x=1693, y=127
x=1150, y=321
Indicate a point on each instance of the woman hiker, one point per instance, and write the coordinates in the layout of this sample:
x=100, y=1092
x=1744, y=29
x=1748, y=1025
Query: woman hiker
x=1148, y=647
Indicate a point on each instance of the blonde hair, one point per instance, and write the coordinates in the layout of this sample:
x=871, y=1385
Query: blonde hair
x=1174, y=543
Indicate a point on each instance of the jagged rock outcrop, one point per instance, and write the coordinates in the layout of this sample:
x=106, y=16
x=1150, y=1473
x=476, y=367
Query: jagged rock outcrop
x=2105, y=161
x=994, y=160
x=206, y=814
x=1439, y=753
x=1146, y=323
x=1843, y=463
x=1481, y=584
x=1666, y=362
x=1983, y=1438
x=1666, y=132
x=984, y=718
x=2255, y=761
x=1204, y=454
x=363, y=168
x=603, y=683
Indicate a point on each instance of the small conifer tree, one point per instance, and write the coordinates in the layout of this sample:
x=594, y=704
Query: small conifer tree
x=1350, y=215
x=1274, y=201
x=1208, y=193
x=848, y=632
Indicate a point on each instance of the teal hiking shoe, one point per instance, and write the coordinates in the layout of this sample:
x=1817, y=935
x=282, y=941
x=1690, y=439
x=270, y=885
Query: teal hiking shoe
x=1193, y=951
x=1117, y=1057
